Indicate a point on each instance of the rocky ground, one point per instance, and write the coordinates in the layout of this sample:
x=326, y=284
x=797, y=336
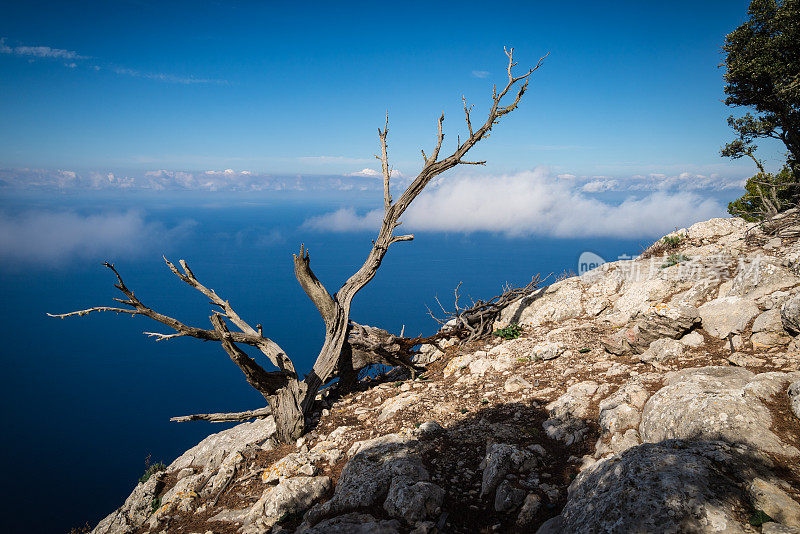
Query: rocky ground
x=660, y=394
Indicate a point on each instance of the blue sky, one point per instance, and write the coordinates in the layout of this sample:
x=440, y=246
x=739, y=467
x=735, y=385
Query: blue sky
x=630, y=88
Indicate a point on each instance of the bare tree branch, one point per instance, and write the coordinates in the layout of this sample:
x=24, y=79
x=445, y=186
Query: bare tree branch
x=225, y=417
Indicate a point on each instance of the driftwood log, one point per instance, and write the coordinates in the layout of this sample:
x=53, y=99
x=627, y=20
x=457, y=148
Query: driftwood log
x=347, y=346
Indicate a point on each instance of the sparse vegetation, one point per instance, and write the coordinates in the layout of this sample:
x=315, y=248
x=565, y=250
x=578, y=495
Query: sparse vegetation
x=151, y=469
x=674, y=259
x=512, y=331
x=759, y=517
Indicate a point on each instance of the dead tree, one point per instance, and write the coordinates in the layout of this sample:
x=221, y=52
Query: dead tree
x=288, y=396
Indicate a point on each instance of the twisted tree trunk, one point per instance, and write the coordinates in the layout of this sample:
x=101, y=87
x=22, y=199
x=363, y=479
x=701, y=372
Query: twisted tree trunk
x=289, y=397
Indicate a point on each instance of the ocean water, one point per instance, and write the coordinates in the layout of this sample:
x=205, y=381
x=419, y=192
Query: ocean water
x=86, y=400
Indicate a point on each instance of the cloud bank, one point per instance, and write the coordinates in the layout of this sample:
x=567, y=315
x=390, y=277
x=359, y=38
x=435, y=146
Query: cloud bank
x=49, y=239
x=531, y=203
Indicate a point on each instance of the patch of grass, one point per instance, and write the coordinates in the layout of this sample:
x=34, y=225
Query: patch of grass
x=674, y=259
x=151, y=469
x=155, y=504
x=584, y=351
x=759, y=517
x=463, y=410
x=397, y=384
x=512, y=331
x=484, y=401
x=671, y=242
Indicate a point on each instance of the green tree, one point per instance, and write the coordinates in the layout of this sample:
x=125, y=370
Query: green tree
x=763, y=73
x=766, y=195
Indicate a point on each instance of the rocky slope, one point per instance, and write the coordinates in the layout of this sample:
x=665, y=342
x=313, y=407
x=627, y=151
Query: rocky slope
x=660, y=394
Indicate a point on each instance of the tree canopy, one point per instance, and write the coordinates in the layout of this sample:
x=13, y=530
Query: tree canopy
x=763, y=73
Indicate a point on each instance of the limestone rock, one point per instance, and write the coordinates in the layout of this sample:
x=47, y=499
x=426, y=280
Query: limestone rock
x=790, y=315
x=291, y=496
x=366, y=478
x=775, y=502
x=528, y=511
x=727, y=315
x=500, y=460
x=413, y=501
x=214, y=449
x=507, y=497
x=516, y=383
x=136, y=509
x=794, y=398
x=671, y=487
x=662, y=350
x=710, y=403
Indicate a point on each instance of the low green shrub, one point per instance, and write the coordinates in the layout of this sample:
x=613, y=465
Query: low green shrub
x=512, y=331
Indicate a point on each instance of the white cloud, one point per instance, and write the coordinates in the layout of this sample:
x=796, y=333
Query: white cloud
x=365, y=172
x=39, y=52
x=532, y=202
x=344, y=220
x=372, y=173
x=168, y=78
x=48, y=238
x=567, y=176
x=597, y=186
x=481, y=73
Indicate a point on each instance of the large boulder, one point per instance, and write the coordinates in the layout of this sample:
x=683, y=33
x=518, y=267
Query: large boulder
x=670, y=487
x=377, y=466
x=723, y=316
x=711, y=403
x=291, y=496
x=670, y=321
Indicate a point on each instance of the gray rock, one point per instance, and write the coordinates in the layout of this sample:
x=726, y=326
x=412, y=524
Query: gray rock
x=213, y=450
x=662, y=350
x=669, y=487
x=622, y=442
x=428, y=429
x=794, y=398
x=769, y=321
x=723, y=316
x=665, y=321
x=507, y=497
x=366, y=478
x=413, y=501
x=619, y=418
x=291, y=496
x=137, y=508
x=528, y=511
x=790, y=315
x=693, y=339
x=500, y=460
x=710, y=403
x=516, y=383
x=775, y=502
x=353, y=523
x=777, y=528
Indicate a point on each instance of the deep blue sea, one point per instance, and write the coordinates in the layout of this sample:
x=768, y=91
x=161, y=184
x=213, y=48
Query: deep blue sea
x=86, y=400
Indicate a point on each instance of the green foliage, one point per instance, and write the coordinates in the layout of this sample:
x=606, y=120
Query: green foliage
x=155, y=504
x=766, y=193
x=584, y=351
x=674, y=259
x=671, y=241
x=512, y=331
x=762, y=71
x=151, y=470
x=759, y=517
